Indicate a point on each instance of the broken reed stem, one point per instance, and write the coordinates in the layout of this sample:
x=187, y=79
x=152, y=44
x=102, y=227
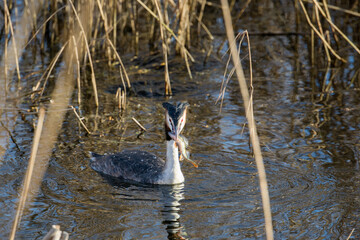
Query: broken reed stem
x=48, y=70
x=121, y=98
x=168, y=90
x=52, y=65
x=29, y=172
x=10, y=134
x=7, y=13
x=226, y=80
x=322, y=33
x=332, y=29
x=168, y=29
x=328, y=19
x=336, y=8
x=80, y=120
x=211, y=37
x=5, y=59
x=106, y=29
x=250, y=118
x=77, y=69
x=43, y=25
x=93, y=80
x=139, y=124
x=122, y=66
x=351, y=233
x=199, y=18
x=118, y=97
x=319, y=34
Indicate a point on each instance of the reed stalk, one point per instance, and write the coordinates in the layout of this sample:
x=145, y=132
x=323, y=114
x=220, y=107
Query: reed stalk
x=44, y=142
x=328, y=19
x=319, y=34
x=84, y=34
x=15, y=48
x=24, y=26
x=29, y=174
x=251, y=122
x=122, y=67
x=168, y=29
x=168, y=91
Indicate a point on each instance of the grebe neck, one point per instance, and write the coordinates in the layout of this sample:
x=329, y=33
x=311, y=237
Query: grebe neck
x=172, y=171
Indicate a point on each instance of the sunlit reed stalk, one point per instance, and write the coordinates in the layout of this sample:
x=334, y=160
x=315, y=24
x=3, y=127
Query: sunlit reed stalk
x=51, y=67
x=29, y=173
x=7, y=15
x=61, y=95
x=328, y=19
x=326, y=8
x=104, y=18
x=43, y=25
x=322, y=33
x=139, y=124
x=93, y=80
x=168, y=90
x=168, y=29
x=78, y=69
x=251, y=122
x=80, y=120
x=351, y=233
x=200, y=17
x=122, y=67
x=226, y=80
x=336, y=8
x=319, y=34
x=121, y=98
x=47, y=73
x=24, y=24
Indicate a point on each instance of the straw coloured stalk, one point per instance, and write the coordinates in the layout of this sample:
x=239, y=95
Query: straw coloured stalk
x=29, y=174
x=64, y=87
x=250, y=118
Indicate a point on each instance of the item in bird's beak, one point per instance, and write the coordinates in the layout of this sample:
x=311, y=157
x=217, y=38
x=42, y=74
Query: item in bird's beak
x=182, y=148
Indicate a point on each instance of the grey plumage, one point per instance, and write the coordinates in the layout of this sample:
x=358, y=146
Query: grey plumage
x=139, y=166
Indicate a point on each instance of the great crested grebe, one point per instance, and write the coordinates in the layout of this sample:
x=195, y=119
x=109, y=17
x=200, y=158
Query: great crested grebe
x=146, y=167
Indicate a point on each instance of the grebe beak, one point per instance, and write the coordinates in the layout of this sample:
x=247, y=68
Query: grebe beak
x=174, y=135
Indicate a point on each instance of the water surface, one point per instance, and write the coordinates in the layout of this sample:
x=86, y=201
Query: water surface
x=310, y=142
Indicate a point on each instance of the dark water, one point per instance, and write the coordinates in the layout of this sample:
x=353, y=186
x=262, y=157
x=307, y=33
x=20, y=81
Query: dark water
x=310, y=141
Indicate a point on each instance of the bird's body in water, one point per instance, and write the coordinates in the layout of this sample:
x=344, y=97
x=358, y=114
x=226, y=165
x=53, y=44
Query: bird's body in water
x=145, y=167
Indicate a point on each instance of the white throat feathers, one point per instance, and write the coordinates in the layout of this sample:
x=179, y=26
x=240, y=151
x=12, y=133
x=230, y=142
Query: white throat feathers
x=172, y=172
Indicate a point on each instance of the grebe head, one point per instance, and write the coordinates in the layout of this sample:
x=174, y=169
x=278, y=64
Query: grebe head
x=175, y=118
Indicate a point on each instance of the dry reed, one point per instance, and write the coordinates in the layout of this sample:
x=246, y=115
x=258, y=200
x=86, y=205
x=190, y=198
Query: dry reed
x=324, y=35
x=61, y=95
x=250, y=118
x=29, y=174
x=139, y=124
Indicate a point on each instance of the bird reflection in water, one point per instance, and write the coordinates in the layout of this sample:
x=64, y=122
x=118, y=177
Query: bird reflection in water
x=170, y=200
x=172, y=195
